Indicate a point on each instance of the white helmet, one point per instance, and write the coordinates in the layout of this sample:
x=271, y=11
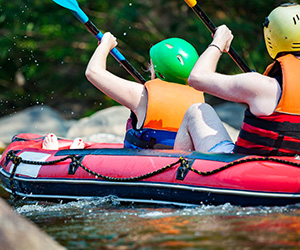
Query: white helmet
x=282, y=29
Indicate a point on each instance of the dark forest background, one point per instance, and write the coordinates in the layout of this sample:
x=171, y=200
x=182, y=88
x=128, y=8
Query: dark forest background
x=44, y=49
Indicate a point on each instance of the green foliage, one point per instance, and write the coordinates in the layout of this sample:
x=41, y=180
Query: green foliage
x=45, y=49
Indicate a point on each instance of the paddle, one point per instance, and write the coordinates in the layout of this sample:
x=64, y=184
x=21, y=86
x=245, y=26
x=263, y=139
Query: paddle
x=209, y=24
x=74, y=7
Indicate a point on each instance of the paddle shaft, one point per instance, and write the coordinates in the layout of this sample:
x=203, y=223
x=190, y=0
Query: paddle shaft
x=209, y=24
x=116, y=54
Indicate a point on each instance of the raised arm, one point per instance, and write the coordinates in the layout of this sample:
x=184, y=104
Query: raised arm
x=260, y=92
x=128, y=93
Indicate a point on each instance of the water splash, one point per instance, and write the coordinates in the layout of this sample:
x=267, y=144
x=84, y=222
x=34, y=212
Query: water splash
x=38, y=208
x=105, y=222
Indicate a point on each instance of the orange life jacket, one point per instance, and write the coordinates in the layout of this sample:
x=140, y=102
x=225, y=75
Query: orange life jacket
x=278, y=133
x=167, y=104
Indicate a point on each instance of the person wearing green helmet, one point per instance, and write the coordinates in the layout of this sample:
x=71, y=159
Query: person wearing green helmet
x=272, y=119
x=158, y=106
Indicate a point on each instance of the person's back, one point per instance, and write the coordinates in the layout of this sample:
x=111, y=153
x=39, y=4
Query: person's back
x=156, y=106
x=278, y=133
x=262, y=93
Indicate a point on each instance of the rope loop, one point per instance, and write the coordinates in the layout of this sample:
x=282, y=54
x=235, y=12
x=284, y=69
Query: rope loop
x=17, y=160
x=135, y=178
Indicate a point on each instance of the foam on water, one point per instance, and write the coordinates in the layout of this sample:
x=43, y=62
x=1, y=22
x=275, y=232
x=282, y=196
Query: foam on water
x=152, y=211
x=46, y=207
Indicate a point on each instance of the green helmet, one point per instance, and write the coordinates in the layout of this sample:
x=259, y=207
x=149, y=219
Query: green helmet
x=173, y=59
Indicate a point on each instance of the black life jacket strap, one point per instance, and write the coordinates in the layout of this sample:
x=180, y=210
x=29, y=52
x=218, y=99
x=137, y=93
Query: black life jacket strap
x=272, y=125
x=151, y=144
x=275, y=144
x=253, y=151
x=129, y=137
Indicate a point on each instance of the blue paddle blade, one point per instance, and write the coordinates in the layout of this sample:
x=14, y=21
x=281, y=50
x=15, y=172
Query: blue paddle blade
x=68, y=4
x=74, y=7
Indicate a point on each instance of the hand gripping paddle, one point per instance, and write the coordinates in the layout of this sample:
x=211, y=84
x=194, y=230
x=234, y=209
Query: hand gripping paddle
x=209, y=24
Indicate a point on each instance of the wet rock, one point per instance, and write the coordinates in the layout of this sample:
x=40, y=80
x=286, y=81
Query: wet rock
x=2, y=146
x=231, y=113
x=111, y=121
x=36, y=119
x=104, y=137
x=232, y=132
x=18, y=233
x=106, y=125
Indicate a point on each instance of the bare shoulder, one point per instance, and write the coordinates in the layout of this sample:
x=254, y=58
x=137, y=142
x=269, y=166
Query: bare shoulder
x=256, y=84
x=263, y=93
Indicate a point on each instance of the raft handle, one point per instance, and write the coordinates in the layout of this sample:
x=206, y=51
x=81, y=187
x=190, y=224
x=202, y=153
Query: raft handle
x=183, y=169
x=74, y=164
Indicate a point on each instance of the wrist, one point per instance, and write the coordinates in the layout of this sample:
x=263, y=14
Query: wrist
x=105, y=47
x=216, y=46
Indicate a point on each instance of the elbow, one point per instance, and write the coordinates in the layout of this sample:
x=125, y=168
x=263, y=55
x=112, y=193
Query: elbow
x=195, y=80
x=90, y=74
x=191, y=80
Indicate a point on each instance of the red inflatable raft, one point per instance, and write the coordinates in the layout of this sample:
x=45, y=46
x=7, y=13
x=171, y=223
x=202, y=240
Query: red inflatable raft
x=149, y=176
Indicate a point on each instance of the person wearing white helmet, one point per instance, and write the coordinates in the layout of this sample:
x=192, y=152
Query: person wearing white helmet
x=272, y=119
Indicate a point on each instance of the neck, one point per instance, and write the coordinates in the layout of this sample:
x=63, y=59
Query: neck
x=297, y=54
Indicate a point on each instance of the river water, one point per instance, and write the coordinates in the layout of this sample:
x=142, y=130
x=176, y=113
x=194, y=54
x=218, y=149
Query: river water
x=104, y=223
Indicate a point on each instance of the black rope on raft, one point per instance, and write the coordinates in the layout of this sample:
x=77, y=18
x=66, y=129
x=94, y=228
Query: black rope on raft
x=11, y=156
x=237, y=162
x=16, y=160
x=129, y=179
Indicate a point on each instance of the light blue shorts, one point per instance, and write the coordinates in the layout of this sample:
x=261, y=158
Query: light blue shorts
x=223, y=147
